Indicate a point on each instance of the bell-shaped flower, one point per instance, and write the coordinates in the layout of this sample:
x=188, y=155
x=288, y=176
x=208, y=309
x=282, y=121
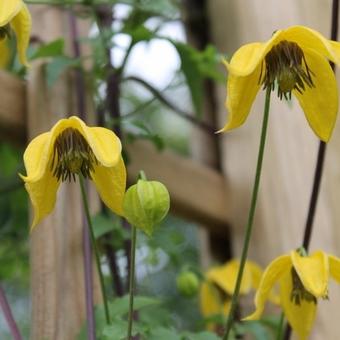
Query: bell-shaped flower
x=70, y=149
x=14, y=15
x=302, y=280
x=295, y=61
x=219, y=284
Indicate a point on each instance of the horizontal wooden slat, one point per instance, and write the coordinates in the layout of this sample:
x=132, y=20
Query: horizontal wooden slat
x=12, y=108
x=197, y=192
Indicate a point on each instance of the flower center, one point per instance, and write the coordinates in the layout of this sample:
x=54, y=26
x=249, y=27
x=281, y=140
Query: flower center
x=5, y=32
x=299, y=292
x=286, y=64
x=72, y=156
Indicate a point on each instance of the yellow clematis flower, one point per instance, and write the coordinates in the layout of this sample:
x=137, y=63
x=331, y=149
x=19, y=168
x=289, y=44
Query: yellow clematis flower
x=218, y=287
x=296, y=60
x=71, y=148
x=14, y=15
x=302, y=280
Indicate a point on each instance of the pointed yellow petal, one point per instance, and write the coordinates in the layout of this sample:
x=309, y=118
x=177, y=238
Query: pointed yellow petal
x=270, y=276
x=225, y=277
x=21, y=25
x=110, y=183
x=320, y=103
x=241, y=93
x=210, y=303
x=334, y=267
x=308, y=38
x=313, y=272
x=5, y=53
x=36, y=158
x=104, y=143
x=43, y=196
x=8, y=9
x=256, y=273
x=300, y=317
x=250, y=56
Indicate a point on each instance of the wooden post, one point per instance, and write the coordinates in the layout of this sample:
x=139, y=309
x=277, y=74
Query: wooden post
x=290, y=155
x=57, y=269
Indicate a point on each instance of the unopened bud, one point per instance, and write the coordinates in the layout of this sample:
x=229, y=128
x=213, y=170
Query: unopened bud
x=187, y=283
x=146, y=204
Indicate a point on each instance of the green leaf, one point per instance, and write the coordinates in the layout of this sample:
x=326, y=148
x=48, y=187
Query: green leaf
x=118, y=330
x=196, y=66
x=164, y=334
x=120, y=306
x=52, y=49
x=256, y=328
x=201, y=336
x=102, y=225
x=57, y=66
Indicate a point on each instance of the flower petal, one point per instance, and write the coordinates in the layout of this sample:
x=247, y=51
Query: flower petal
x=308, y=38
x=210, y=302
x=8, y=9
x=250, y=56
x=111, y=183
x=43, y=196
x=225, y=277
x=241, y=93
x=21, y=25
x=334, y=267
x=313, y=271
x=270, y=276
x=104, y=143
x=35, y=157
x=300, y=317
x=320, y=103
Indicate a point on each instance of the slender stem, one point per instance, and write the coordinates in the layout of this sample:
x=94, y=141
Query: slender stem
x=319, y=163
x=249, y=227
x=281, y=326
x=94, y=245
x=132, y=280
x=9, y=316
x=91, y=324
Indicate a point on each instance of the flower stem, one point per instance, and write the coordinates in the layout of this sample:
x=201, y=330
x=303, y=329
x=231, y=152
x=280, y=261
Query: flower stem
x=319, y=163
x=132, y=280
x=249, y=226
x=279, y=333
x=9, y=316
x=94, y=245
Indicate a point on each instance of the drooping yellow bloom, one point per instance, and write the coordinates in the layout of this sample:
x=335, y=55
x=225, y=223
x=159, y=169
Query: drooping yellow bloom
x=296, y=60
x=302, y=280
x=15, y=15
x=71, y=148
x=219, y=284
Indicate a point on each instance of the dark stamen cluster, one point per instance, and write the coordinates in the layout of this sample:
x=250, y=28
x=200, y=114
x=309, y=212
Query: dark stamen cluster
x=5, y=32
x=72, y=156
x=286, y=64
x=299, y=292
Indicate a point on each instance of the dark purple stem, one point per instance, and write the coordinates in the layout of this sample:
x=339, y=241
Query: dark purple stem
x=319, y=163
x=9, y=316
x=104, y=20
x=88, y=272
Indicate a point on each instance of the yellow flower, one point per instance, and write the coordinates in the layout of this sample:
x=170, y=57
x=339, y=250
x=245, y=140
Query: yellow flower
x=218, y=287
x=71, y=148
x=15, y=15
x=297, y=60
x=302, y=280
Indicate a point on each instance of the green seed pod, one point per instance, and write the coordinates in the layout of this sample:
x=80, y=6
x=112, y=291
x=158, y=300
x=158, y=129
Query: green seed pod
x=187, y=283
x=146, y=204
